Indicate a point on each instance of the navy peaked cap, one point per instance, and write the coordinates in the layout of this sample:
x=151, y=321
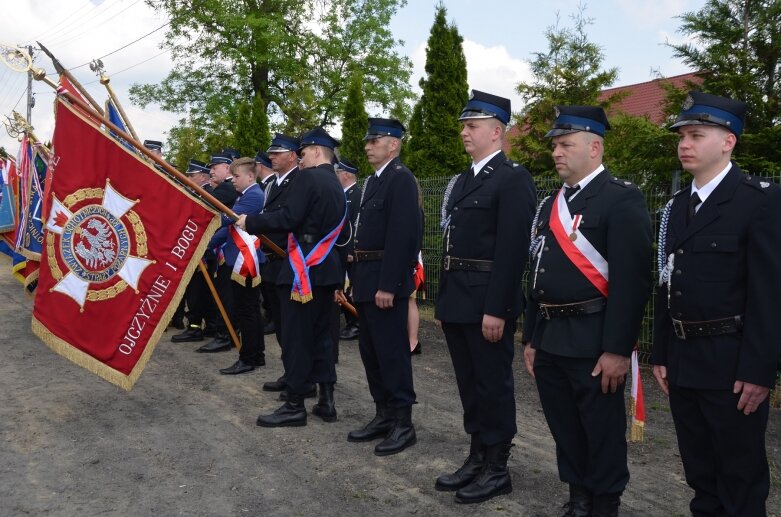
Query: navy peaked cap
x=154, y=145
x=486, y=105
x=712, y=110
x=283, y=144
x=346, y=165
x=233, y=153
x=318, y=136
x=196, y=166
x=379, y=127
x=218, y=158
x=262, y=158
x=571, y=119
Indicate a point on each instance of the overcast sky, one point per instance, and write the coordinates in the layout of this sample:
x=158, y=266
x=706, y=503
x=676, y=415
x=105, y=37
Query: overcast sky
x=500, y=37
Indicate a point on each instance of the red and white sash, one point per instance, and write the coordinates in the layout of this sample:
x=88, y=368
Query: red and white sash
x=247, y=264
x=575, y=245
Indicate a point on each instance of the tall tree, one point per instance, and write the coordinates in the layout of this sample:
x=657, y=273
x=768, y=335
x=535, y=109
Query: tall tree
x=569, y=72
x=435, y=147
x=251, y=131
x=291, y=53
x=354, y=124
x=737, y=46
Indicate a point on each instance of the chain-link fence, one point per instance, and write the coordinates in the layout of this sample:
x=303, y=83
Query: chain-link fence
x=433, y=192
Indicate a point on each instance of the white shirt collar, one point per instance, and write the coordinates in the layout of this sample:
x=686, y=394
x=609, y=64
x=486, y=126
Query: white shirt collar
x=351, y=186
x=707, y=189
x=379, y=171
x=477, y=167
x=585, y=181
x=283, y=176
x=248, y=187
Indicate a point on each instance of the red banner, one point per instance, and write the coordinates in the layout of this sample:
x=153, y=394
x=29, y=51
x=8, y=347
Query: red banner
x=122, y=240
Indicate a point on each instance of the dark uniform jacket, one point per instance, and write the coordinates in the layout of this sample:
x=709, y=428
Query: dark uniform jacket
x=276, y=197
x=353, y=195
x=225, y=193
x=389, y=220
x=616, y=222
x=727, y=263
x=490, y=218
x=314, y=206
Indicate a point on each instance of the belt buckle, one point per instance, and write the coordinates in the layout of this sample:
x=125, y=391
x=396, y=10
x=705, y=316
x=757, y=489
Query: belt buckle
x=678, y=327
x=544, y=311
x=446, y=263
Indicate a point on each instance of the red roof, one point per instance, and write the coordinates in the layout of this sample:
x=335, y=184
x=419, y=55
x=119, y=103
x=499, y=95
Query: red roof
x=641, y=99
x=647, y=98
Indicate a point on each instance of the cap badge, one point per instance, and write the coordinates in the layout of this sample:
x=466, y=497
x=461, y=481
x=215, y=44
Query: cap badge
x=764, y=184
x=688, y=103
x=556, y=111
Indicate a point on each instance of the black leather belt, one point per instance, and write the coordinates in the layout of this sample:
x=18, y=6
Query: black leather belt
x=363, y=256
x=307, y=238
x=563, y=310
x=449, y=263
x=687, y=329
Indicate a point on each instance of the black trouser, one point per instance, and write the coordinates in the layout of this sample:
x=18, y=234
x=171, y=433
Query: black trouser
x=484, y=373
x=307, y=346
x=271, y=298
x=723, y=452
x=200, y=302
x=384, y=347
x=589, y=426
x=245, y=316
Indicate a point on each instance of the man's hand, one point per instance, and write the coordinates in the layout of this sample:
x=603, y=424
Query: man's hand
x=493, y=328
x=613, y=368
x=751, y=397
x=528, y=358
x=350, y=258
x=242, y=222
x=338, y=294
x=660, y=372
x=383, y=299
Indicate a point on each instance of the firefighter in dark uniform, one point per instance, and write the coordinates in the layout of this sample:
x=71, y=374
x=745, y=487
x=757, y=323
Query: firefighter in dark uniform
x=346, y=172
x=200, y=304
x=226, y=194
x=716, y=343
x=588, y=288
x=386, y=241
x=484, y=254
x=313, y=216
x=284, y=162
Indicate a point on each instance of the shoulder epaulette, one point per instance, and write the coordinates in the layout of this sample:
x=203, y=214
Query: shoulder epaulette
x=760, y=183
x=621, y=183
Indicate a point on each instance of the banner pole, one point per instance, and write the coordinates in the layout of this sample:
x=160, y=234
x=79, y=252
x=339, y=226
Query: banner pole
x=64, y=71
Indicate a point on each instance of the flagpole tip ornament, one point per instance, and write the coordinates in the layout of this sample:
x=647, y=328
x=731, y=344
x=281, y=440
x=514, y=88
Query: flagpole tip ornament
x=15, y=58
x=104, y=80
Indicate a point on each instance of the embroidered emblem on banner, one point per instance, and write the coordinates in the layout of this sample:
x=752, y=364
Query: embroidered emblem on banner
x=95, y=249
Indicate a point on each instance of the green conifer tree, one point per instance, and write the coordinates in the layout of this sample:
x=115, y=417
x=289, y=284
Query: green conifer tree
x=435, y=147
x=354, y=124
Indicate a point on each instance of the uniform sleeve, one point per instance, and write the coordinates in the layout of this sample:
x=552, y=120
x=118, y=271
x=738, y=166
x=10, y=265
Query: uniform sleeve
x=761, y=346
x=516, y=200
x=629, y=255
x=289, y=217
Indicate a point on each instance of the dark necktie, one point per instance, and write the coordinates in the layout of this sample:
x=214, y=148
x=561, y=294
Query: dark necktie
x=694, y=200
x=570, y=191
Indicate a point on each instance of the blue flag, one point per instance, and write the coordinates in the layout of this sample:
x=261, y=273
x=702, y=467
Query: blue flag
x=116, y=118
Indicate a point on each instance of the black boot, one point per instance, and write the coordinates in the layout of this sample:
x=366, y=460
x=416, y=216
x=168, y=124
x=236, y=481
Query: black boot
x=494, y=479
x=579, y=504
x=401, y=436
x=277, y=385
x=312, y=393
x=192, y=334
x=606, y=505
x=469, y=470
x=325, y=408
x=380, y=425
x=291, y=414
